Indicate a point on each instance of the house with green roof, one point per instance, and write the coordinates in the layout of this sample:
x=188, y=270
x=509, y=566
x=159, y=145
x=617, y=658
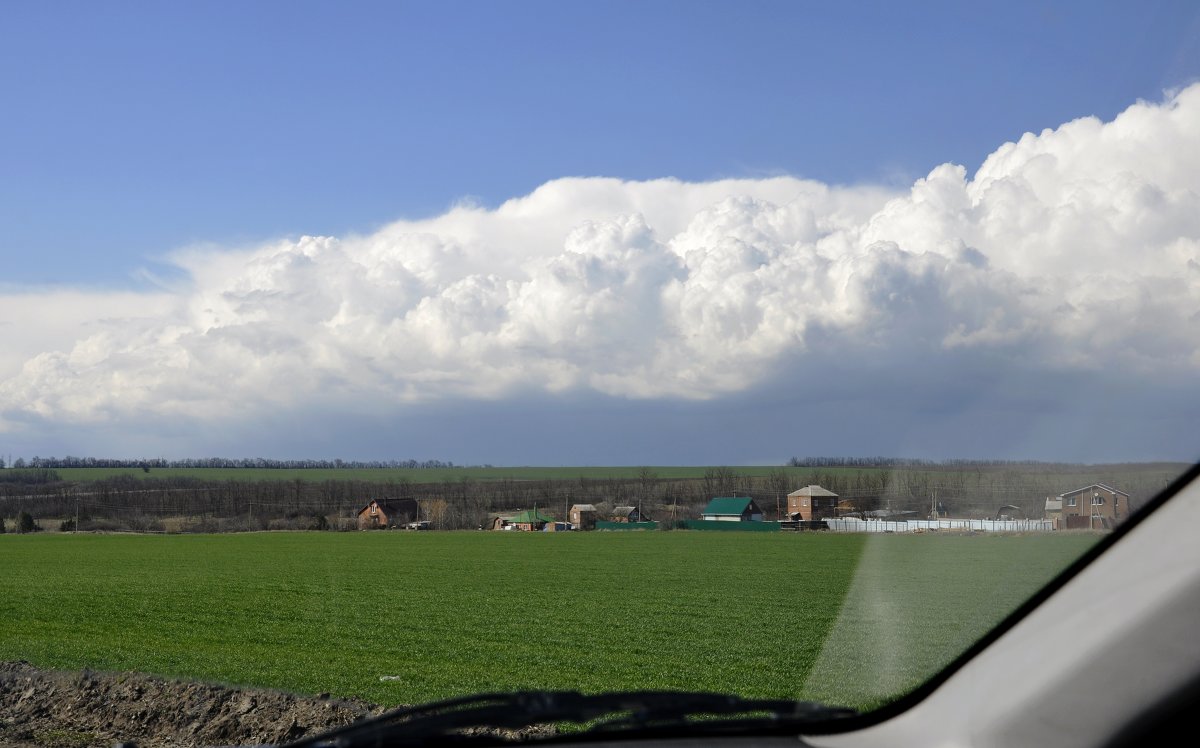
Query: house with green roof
x=529, y=520
x=732, y=509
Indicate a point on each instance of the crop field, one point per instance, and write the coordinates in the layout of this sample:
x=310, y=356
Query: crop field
x=429, y=475
x=407, y=617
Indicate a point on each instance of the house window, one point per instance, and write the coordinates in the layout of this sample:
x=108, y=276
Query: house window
x=1097, y=498
x=374, y=510
x=1071, y=501
x=805, y=502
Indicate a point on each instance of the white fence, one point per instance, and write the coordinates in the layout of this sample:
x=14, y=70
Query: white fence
x=854, y=524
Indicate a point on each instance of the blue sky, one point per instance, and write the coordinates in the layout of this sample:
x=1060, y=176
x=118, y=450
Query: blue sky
x=160, y=165
x=132, y=129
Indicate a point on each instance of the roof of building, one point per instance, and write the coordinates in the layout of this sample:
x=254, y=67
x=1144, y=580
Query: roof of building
x=1105, y=486
x=885, y=513
x=732, y=505
x=390, y=506
x=624, y=509
x=812, y=491
x=583, y=507
x=529, y=516
x=1054, y=504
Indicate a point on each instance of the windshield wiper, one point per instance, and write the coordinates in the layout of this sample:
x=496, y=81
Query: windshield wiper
x=641, y=710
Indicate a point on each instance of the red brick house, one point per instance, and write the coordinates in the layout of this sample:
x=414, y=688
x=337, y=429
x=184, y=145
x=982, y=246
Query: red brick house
x=812, y=503
x=383, y=513
x=1095, y=507
x=583, y=516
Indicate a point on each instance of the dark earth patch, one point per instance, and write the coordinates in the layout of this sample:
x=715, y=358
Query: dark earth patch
x=60, y=709
x=55, y=709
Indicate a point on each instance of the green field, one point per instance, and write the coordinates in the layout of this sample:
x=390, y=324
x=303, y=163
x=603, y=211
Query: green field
x=427, y=475
x=408, y=617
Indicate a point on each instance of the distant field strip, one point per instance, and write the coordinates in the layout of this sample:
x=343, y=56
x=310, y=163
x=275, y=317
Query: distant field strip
x=1158, y=473
x=434, y=475
x=917, y=602
x=442, y=614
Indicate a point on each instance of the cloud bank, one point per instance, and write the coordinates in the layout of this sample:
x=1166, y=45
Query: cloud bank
x=1076, y=249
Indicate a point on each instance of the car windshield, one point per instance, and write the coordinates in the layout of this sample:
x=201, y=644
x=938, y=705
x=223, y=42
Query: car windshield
x=361, y=357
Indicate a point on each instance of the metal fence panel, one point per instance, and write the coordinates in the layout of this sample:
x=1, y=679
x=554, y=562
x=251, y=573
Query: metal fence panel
x=708, y=524
x=853, y=524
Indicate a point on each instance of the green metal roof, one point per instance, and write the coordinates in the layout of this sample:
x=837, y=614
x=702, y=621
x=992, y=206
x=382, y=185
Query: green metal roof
x=529, y=516
x=727, y=505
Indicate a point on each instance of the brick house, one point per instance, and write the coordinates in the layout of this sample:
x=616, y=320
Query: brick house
x=1095, y=507
x=812, y=503
x=383, y=513
x=583, y=516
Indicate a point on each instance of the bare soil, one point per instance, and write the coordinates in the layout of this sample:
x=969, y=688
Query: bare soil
x=64, y=709
x=54, y=709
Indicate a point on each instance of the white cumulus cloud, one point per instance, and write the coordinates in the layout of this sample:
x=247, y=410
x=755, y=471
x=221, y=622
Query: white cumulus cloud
x=1076, y=248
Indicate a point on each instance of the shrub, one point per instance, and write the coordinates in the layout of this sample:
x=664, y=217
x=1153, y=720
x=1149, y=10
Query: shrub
x=143, y=523
x=26, y=524
x=289, y=523
x=104, y=524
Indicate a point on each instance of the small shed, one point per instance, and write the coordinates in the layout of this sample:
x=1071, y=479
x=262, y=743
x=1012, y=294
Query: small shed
x=583, y=516
x=384, y=513
x=812, y=503
x=732, y=509
x=1054, y=510
x=627, y=514
x=499, y=522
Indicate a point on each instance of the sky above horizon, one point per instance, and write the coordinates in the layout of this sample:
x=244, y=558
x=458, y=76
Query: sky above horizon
x=581, y=233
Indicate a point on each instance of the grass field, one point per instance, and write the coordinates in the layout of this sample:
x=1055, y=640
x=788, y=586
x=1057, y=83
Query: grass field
x=916, y=602
x=407, y=617
x=422, y=475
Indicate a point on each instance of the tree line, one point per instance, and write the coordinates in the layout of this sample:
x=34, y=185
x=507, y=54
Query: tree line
x=170, y=503
x=225, y=462
x=915, y=462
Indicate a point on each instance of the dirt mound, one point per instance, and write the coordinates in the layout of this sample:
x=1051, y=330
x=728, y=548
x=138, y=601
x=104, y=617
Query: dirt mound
x=51, y=709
